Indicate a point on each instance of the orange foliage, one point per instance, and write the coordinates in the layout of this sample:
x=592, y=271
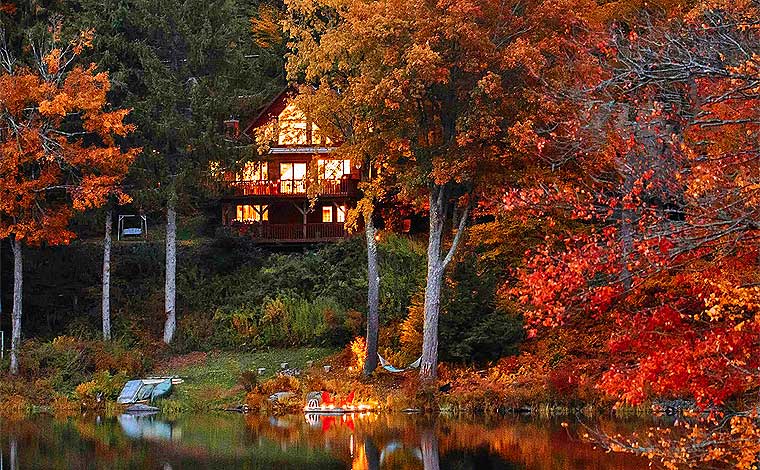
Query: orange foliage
x=57, y=136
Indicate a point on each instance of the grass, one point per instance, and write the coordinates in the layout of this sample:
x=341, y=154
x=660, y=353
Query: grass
x=211, y=380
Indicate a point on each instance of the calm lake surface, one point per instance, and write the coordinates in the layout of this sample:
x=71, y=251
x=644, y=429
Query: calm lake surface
x=370, y=441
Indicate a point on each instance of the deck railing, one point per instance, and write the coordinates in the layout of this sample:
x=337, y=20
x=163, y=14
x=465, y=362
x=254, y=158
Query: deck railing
x=342, y=187
x=267, y=232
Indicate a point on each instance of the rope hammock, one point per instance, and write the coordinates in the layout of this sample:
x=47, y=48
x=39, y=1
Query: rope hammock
x=390, y=368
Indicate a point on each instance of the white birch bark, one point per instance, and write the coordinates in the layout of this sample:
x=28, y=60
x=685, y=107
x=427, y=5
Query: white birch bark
x=106, y=301
x=170, y=288
x=18, y=279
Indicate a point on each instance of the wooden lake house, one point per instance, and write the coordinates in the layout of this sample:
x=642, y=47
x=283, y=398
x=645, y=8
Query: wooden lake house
x=268, y=198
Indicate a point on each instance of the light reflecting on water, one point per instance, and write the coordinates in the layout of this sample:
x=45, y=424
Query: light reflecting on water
x=359, y=442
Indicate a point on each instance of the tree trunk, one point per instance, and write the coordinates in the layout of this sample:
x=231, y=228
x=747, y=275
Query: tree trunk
x=170, y=289
x=18, y=279
x=106, y=310
x=429, y=362
x=436, y=267
x=373, y=297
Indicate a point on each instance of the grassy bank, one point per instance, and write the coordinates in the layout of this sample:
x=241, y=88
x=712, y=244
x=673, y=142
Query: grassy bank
x=218, y=380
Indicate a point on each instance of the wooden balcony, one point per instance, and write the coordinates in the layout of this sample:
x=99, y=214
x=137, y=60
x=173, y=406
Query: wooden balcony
x=294, y=188
x=293, y=233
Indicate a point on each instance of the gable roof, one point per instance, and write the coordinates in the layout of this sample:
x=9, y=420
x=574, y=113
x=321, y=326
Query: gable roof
x=269, y=111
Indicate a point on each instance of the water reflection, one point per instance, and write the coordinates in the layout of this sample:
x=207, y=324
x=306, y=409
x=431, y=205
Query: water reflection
x=358, y=442
x=149, y=427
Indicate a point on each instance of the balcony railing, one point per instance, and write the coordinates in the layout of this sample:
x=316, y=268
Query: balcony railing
x=315, y=232
x=342, y=187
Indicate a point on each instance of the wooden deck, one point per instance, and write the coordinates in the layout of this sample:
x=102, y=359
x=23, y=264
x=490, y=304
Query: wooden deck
x=297, y=188
x=293, y=233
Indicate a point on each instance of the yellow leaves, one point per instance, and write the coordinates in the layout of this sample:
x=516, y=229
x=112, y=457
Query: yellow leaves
x=266, y=29
x=490, y=85
x=425, y=65
x=83, y=41
x=733, y=303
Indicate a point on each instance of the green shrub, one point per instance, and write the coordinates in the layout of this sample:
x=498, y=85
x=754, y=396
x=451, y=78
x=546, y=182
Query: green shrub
x=474, y=327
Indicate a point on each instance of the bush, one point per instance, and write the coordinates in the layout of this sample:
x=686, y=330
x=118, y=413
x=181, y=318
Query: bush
x=66, y=362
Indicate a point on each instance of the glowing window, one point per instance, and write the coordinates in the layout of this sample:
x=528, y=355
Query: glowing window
x=293, y=127
x=340, y=215
x=292, y=178
x=334, y=169
x=317, y=138
x=327, y=214
x=214, y=169
x=252, y=213
x=255, y=171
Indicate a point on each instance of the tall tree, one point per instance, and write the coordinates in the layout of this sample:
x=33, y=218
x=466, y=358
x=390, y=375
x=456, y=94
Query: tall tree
x=434, y=78
x=182, y=66
x=106, y=289
x=341, y=116
x=57, y=135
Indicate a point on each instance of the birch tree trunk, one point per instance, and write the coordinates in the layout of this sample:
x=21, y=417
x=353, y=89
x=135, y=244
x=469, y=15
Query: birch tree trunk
x=373, y=297
x=18, y=279
x=170, y=288
x=436, y=267
x=106, y=305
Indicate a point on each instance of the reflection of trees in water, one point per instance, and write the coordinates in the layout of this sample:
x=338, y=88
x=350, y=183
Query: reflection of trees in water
x=14, y=454
x=360, y=442
x=417, y=442
x=694, y=440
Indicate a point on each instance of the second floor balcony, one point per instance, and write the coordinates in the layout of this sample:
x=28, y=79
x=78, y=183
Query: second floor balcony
x=295, y=187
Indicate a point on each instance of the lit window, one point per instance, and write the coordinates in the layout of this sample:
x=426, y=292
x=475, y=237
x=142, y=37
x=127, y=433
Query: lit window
x=317, y=137
x=254, y=171
x=292, y=178
x=340, y=215
x=252, y=213
x=214, y=169
x=327, y=214
x=293, y=127
x=334, y=169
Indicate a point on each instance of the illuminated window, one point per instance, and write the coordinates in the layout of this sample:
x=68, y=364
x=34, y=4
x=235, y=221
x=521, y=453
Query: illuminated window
x=327, y=214
x=317, y=138
x=334, y=169
x=214, y=169
x=292, y=178
x=255, y=171
x=340, y=215
x=293, y=127
x=252, y=213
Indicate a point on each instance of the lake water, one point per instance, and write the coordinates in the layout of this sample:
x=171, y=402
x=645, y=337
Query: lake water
x=369, y=441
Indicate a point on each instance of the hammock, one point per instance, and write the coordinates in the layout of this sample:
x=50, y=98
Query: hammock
x=390, y=368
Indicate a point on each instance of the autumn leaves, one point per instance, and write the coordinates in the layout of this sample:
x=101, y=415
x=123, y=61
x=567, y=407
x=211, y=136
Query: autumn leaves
x=59, y=153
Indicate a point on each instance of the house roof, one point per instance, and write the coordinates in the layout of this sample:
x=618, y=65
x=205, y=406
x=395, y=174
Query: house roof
x=269, y=111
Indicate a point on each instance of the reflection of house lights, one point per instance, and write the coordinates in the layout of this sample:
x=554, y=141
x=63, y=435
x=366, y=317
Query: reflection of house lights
x=363, y=407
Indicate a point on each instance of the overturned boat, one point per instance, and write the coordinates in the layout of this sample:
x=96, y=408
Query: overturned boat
x=146, y=390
